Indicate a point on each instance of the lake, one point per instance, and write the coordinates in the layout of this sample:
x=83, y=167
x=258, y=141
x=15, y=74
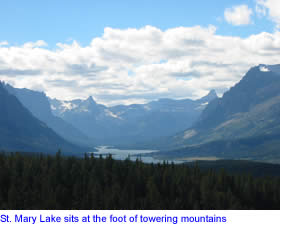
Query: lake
x=122, y=154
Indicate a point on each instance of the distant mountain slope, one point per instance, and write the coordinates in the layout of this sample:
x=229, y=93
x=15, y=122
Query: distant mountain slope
x=249, y=110
x=21, y=131
x=265, y=148
x=128, y=124
x=256, y=87
x=37, y=103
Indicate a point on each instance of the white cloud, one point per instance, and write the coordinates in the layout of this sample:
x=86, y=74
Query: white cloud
x=138, y=65
x=3, y=43
x=39, y=43
x=238, y=15
x=270, y=8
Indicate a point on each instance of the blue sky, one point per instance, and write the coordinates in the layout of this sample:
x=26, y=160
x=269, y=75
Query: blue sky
x=60, y=21
x=123, y=52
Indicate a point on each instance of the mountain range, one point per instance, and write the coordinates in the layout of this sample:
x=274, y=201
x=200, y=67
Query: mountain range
x=130, y=123
x=38, y=104
x=244, y=123
x=87, y=124
x=21, y=131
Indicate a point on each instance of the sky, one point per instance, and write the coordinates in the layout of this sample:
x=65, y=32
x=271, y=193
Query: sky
x=123, y=52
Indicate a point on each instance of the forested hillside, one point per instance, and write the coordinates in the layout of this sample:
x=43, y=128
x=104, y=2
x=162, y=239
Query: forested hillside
x=57, y=182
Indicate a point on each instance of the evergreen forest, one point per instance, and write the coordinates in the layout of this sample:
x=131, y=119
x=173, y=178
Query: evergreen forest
x=38, y=181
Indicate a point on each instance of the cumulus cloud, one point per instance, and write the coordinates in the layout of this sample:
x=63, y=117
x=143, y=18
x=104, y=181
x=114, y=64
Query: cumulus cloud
x=270, y=8
x=39, y=43
x=3, y=43
x=238, y=15
x=138, y=65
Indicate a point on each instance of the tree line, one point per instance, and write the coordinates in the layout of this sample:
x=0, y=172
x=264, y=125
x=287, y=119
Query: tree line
x=38, y=181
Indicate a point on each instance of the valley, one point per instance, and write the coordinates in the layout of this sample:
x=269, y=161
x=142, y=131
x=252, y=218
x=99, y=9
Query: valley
x=242, y=124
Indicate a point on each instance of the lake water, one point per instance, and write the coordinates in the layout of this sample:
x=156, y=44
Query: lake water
x=122, y=154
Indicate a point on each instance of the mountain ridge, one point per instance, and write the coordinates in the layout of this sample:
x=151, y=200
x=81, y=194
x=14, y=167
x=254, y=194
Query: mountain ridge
x=37, y=103
x=127, y=123
x=21, y=131
x=250, y=109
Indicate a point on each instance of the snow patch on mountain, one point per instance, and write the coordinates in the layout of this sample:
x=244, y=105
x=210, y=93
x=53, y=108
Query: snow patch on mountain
x=67, y=106
x=264, y=69
x=111, y=114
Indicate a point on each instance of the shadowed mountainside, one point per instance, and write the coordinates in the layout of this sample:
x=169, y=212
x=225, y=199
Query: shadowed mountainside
x=21, y=131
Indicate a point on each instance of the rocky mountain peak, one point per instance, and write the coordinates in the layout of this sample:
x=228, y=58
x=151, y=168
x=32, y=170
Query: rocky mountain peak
x=210, y=96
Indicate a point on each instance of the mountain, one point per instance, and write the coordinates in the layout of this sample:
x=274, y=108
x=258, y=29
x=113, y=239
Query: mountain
x=93, y=119
x=245, y=122
x=37, y=103
x=21, y=131
x=131, y=123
